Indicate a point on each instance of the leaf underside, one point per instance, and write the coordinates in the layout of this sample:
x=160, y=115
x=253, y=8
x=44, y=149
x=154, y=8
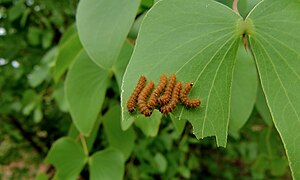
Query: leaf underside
x=198, y=46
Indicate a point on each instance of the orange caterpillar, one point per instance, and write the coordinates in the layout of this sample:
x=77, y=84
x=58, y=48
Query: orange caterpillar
x=174, y=100
x=192, y=103
x=157, y=91
x=131, y=103
x=142, y=104
x=165, y=98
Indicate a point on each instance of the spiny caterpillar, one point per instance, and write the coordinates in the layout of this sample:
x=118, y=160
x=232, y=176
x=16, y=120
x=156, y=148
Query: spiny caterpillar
x=157, y=91
x=174, y=100
x=131, y=103
x=142, y=104
x=165, y=98
x=191, y=103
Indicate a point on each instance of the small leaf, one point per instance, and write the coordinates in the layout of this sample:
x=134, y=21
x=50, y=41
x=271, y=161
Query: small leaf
x=106, y=165
x=198, y=41
x=68, y=158
x=103, y=27
x=275, y=42
x=244, y=88
x=149, y=125
x=85, y=91
x=117, y=138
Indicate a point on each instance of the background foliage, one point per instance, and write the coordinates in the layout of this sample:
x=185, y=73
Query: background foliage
x=53, y=69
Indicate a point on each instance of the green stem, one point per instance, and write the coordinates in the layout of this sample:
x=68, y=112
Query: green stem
x=83, y=142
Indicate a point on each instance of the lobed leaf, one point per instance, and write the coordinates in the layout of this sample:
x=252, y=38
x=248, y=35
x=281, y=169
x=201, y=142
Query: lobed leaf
x=198, y=42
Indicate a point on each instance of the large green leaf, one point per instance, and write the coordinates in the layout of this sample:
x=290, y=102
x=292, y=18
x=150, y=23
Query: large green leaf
x=198, y=41
x=276, y=48
x=103, y=26
x=117, y=138
x=68, y=158
x=85, y=91
x=244, y=88
x=106, y=165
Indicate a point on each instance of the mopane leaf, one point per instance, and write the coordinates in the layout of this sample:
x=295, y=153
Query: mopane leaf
x=276, y=47
x=85, y=91
x=117, y=138
x=103, y=26
x=68, y=158
x=244, y=88
x=106, y=165
x=198, y=41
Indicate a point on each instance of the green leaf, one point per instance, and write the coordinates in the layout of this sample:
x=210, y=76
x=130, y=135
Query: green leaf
x=16, y=10
x=262, y=107
x=122, y=61
x=117, y=138
x=178, y=123
x=85, y=92
x=106, y=165
x=41, y=176
x=38, y=114
x=149, y=125
x=34, y=35
x=41, y=71
x=244, y=88
x=68, y=158
x=103, y=26
x=60, y=97
x=160, y=162
x=67, y=53
x=276, y=47
x=75, y=134
x=198, y=41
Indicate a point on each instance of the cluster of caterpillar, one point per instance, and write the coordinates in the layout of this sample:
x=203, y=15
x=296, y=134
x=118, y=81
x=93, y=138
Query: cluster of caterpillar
x=164, y=97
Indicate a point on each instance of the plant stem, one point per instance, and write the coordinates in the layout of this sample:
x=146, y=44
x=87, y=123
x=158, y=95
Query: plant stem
x=235, y=6
x=83, y=142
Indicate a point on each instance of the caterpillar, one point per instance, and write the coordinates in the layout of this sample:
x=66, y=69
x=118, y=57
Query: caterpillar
x=174, y=100
x=192, y=103
x=157, y=91
x=131, y=103
x=165, y=98
x=142, y=104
